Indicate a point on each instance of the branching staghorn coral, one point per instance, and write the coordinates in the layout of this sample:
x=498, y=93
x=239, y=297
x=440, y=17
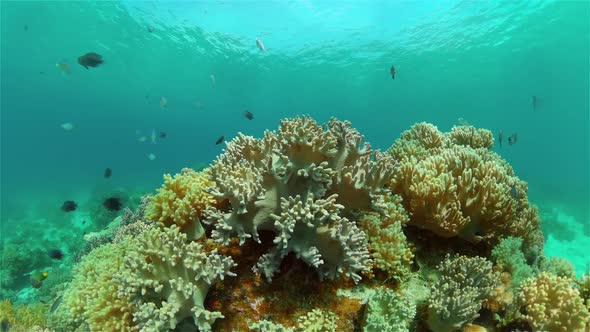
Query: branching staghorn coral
x=181, y=201
x=169, y=279
x=388, y=246
x=457, y=297
x=387, y=311
x=455, y=188
x=550, y=303
x=302, y=166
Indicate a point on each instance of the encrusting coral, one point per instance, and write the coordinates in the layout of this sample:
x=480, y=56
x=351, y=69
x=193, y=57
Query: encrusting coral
x=181, y=201
x=551, y=303
x=453, y=186
x=301, y=183
x=457, y=296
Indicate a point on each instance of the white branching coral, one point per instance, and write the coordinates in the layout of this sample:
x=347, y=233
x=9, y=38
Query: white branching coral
x=169, y=278
x=263, y=184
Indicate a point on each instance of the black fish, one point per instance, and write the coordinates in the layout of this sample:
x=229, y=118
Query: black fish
x=512, y=139
x=69, y=206
x=534, y=103
x=500, y=137
x=248, y=115
x=83, y=222
x=392, y=72
x=150, y=28
x=90, y=60
x=108, y=172
x=163, y=134
x=112, y=204
x=5, y=325
x=55, y=253
x=219, y=140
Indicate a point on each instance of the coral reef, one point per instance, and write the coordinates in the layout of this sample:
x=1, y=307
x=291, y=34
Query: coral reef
x=28, y=318
x=389, y=248
x=173, y=278
x=181, y=201
x=454, y=187
x=388, y=311
x=550, y=303
x=300, y=183
x=308, y=229
x=457, y=296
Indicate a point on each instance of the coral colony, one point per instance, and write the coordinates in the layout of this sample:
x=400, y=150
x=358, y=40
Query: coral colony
x=310, y=229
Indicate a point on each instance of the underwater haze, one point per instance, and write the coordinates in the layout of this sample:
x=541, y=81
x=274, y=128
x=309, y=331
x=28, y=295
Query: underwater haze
x=190, y=70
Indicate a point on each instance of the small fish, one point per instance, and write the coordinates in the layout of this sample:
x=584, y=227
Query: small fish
x=513, y=192
x=150, y=29
x=37, y=279
x=26, y=27
x=55, y=254
x=69, y=206
x=142, y=139
x=212, y=79
x=42, y=72
x=392, y=72
x=163, y=102
x=500, y=137
x=68, y=126
x=151, y=156
x=63, y=67
x=56, y=304
x=248, y=115
x=112, y=204
x=90, y=60
x=219, y=140
x=4, y=325
x=463, y=122
x=534, y=103
x=83, y=222
x=153, y=136
x=162, y=134
x=512, y=139
x=108, y=172
x=260, y=45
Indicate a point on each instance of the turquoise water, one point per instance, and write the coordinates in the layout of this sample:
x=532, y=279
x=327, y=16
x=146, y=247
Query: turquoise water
x=478, y=61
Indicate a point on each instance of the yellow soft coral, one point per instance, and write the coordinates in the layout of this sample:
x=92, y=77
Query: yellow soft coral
x=92, y=299
x=469, y=135
x=23, y=318
x=182, y=200
x=387, y=243
x=550, y=303
x=458, y=188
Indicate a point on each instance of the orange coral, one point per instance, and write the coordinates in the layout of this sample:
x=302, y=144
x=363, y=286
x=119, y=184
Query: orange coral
x=181, y=201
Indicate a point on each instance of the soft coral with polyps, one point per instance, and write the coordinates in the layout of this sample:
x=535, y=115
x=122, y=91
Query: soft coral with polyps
x=302, y=183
